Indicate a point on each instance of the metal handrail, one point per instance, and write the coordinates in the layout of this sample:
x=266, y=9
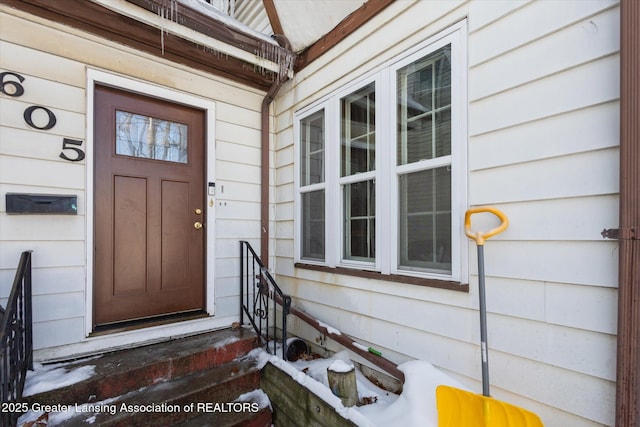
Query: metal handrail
x=256, y=273
x=16, y=340
x=259, y=295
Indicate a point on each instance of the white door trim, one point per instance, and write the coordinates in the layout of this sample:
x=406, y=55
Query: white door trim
x=148, y=89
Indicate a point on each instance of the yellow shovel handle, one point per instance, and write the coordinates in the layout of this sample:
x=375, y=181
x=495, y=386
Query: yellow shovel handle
x=479, y=236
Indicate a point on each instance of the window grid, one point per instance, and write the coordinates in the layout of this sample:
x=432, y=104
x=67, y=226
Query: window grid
x=359, y=226
x=422, y=86
x=412, y=111
x=312, y=179
x=358, y=166
x=394, y=161
x=313, y=149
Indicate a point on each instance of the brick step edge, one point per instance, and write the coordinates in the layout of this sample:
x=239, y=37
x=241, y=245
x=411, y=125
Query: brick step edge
x=166, y=403
x=123, y=371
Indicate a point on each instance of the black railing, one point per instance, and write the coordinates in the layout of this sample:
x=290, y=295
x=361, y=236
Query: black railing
x=16, y=340
x=259, y=297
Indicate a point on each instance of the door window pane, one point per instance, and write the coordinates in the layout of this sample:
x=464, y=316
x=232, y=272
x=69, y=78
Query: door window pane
x=150, y=138
x=312, y=149
x=313, y=225
x=425, y=220
x=358, y=131
x=424, y=108
x=359, y=221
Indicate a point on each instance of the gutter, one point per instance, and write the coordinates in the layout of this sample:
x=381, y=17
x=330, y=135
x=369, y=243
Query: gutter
x=286, y=65
x=178, y=19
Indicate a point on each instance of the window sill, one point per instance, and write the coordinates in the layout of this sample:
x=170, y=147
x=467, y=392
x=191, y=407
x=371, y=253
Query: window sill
x=420, y=281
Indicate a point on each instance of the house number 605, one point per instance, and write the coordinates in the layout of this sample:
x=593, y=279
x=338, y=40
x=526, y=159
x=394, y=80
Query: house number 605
x=15, y=89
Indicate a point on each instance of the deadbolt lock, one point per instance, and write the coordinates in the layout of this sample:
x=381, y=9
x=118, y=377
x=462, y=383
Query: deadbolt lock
x=198, y=211
x=197, y=225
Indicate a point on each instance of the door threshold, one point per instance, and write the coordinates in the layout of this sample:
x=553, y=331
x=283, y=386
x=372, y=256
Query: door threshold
x=132, y=325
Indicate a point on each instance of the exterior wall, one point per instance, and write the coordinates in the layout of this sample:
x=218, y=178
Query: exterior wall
x=56, y=61
x=542, y=147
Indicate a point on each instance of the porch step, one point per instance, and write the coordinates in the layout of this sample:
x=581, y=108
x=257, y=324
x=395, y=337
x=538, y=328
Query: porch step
x=122, y=371
x=165, y=402
x=157, y=383
x=263, y=418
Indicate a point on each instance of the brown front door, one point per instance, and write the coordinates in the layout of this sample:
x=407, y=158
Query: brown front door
x=149, y=211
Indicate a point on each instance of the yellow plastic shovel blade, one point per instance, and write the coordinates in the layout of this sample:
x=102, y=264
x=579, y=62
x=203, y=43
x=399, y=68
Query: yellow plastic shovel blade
x=460, y=408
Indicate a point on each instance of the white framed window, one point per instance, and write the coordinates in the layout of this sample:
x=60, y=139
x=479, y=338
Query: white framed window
x=357, y=179
x=312, y=185
x=394, y=174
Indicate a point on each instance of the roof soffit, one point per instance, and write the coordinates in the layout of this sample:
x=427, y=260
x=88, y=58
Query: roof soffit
x=331, y=22
x=305, y=22
x=312, y=27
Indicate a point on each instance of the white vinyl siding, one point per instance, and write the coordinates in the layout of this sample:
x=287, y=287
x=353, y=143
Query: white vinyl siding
x=56, y=61
x=543, y=148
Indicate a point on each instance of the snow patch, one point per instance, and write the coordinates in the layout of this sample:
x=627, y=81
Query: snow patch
x=341, y=366
x=329, y=328
x=225, y=342
x=49, y=377
x=258, y=396
x=360, y=346
x=68, y=411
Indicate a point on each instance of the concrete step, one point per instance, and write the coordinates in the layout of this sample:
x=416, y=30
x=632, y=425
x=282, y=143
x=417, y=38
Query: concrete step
x=192, y=381
x=261, y=418
x=208, y=394
x=120, y=372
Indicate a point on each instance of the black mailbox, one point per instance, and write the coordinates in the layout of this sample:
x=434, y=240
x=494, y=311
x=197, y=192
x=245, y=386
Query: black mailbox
x=18, y=203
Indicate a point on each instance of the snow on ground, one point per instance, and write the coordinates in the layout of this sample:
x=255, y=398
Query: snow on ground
x=416, y=406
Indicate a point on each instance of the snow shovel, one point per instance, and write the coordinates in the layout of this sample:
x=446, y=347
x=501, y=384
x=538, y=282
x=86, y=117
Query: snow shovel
x=461, y=408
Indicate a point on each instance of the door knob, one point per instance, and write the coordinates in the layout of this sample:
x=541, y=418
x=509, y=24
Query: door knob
x=197, y=225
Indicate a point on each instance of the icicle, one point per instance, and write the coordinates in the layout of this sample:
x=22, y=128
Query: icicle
x=168, y=10
x=161, y=10
x=232, y=8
